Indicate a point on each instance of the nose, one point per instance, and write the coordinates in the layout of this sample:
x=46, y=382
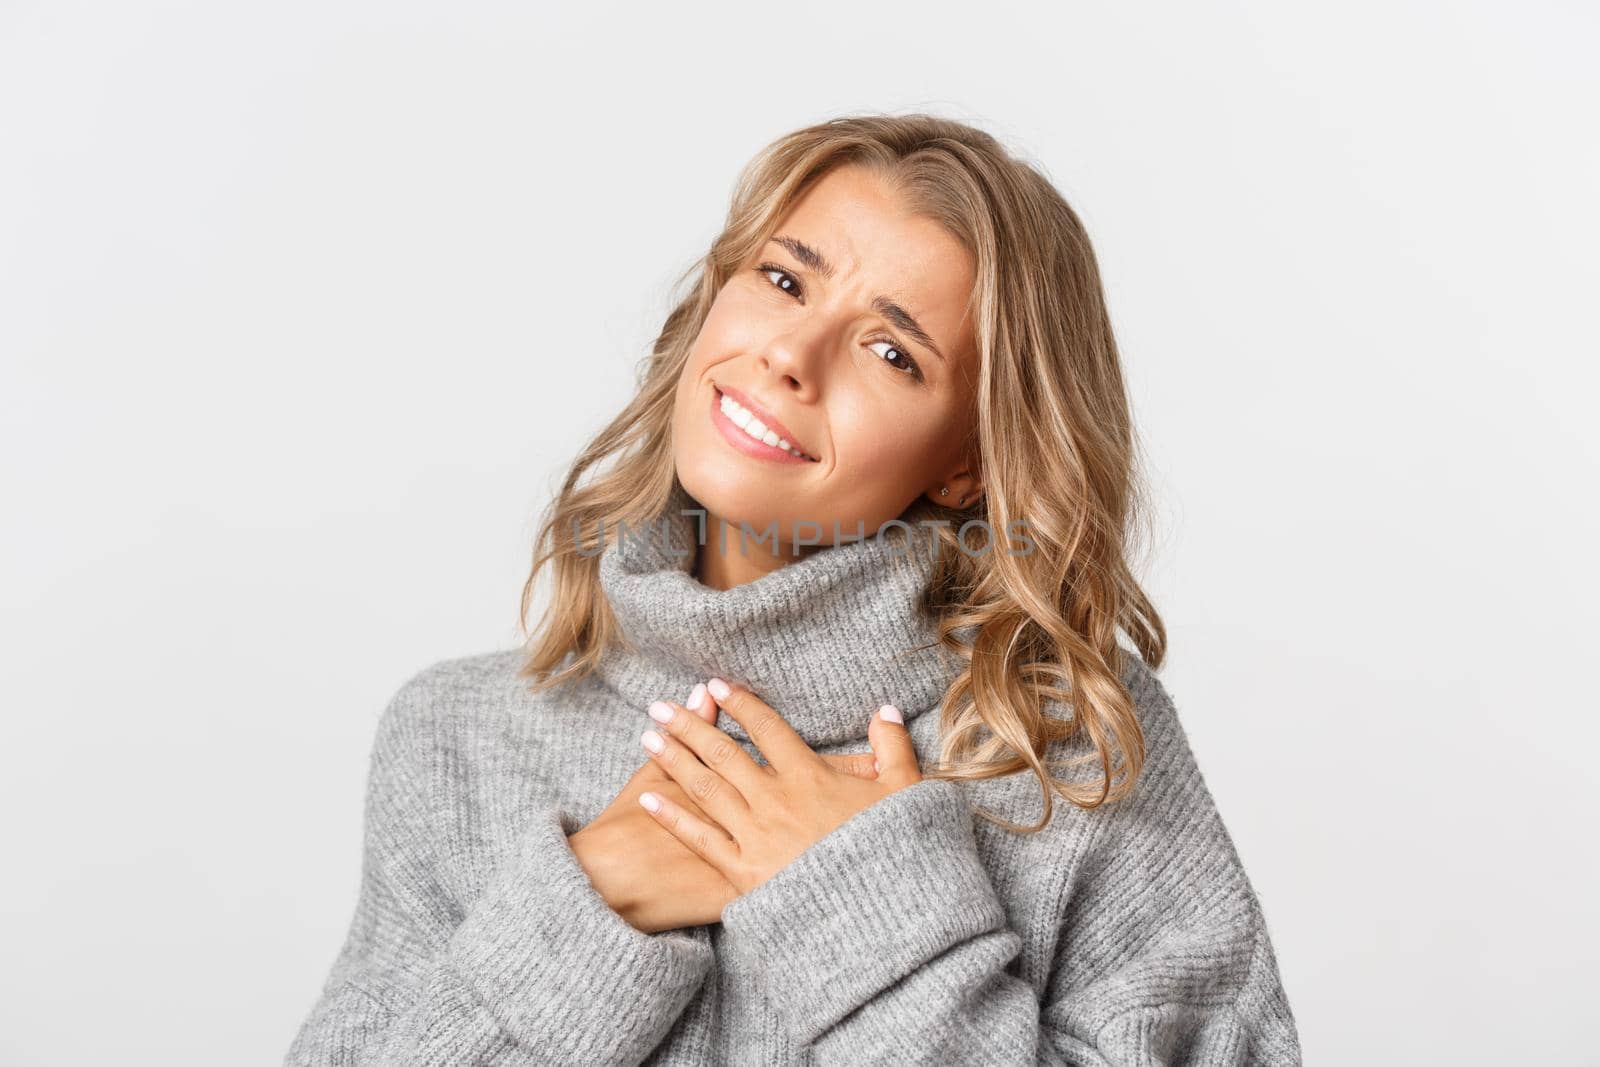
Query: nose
x=796, y=359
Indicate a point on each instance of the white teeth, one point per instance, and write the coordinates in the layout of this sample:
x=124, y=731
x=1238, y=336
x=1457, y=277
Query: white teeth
x=753, y=426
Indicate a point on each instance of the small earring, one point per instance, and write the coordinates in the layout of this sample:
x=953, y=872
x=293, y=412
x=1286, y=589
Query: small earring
x=945, y=491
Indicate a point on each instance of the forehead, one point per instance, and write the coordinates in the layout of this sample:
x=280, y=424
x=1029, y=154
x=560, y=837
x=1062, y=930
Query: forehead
x=877, y=247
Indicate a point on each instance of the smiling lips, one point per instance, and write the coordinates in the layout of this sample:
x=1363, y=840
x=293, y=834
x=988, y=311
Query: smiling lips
x=764, y=437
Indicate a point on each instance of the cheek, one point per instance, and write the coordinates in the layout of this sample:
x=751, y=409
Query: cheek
x=891, y=449
x=712, y=344
x=743, y=319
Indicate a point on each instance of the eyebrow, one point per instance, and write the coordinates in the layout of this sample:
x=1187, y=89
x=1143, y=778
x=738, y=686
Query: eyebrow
x=899, y=316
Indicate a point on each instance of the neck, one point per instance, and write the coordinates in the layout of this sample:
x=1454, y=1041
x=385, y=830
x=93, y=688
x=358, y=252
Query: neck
x=728, y=557
x=824, y=639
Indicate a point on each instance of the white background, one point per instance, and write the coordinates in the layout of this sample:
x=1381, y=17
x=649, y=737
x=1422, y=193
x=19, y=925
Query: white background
x=305, y=306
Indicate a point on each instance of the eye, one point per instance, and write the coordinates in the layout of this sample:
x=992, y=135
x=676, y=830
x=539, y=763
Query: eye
x=907, y=365
x=788, y=283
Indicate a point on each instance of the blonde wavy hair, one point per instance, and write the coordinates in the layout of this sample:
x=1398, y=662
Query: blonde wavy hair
x=1053, y=434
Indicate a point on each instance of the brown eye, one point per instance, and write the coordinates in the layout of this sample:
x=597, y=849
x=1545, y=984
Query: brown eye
x=786, y=281
x=907, y=365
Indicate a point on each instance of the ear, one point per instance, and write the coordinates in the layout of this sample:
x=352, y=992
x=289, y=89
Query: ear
x=962, y=488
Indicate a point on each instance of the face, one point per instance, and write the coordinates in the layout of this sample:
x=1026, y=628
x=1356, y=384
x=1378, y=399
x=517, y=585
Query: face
x=845, y=336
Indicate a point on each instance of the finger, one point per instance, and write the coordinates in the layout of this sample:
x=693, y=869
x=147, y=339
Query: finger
x=703, y=706
x=783, y=748
x=859, y=764
x=891, y=744
x=710, y=745
x=710, y=766
x=700, y=704
x=705, y=839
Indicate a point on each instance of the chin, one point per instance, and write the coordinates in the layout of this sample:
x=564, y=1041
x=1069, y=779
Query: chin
x=729, y=494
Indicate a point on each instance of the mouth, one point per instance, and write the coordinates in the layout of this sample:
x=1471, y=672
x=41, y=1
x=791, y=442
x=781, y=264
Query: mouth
x=753, y=430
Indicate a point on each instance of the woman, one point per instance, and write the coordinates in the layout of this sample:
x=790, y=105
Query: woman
x=861, y=553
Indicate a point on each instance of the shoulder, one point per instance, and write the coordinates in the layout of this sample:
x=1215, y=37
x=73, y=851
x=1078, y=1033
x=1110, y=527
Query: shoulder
x=451, y=695
x=1171, y=809
x=1159, y=909
x=1161, y=857
x=435, y=732
x=1155, y=853
x=480, y=674
x=1169, y=779
x=1158, y=714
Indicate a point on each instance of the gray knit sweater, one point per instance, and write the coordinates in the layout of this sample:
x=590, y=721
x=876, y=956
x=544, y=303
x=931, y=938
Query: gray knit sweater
x=912, y=933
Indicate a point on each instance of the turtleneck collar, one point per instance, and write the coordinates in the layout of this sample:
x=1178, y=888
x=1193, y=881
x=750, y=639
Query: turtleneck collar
x=824, y=639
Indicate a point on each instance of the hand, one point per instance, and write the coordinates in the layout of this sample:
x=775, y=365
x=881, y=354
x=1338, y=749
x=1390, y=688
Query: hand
x=649, y=878
x=757, y=819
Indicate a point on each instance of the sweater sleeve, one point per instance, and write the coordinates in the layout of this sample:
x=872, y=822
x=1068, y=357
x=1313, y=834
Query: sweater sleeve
x=539, y=969
x=886, y=942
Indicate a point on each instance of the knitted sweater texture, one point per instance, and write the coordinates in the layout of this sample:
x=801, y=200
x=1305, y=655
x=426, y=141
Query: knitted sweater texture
x=915, y=932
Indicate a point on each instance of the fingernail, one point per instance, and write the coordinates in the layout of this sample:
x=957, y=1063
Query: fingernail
x=696, y=695
x=650, y=801
x=891, y=713
x=652, y=740
x=660, y=711
x=719, y=688
x=875, y=768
